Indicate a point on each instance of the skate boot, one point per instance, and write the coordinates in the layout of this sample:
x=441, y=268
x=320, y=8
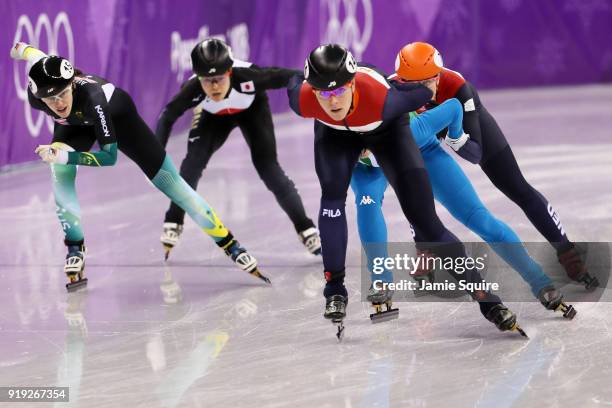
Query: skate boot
x=378, y=298
x=573, y=261
x=311, y=240
x=503, y=318
x=74, y=268
x=244, y=260
x=170, y=236
x=335, y=310
x=552, y=299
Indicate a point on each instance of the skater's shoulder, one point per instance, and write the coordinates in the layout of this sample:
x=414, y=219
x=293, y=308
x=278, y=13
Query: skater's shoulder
x=191, y=83
x=243, y=64
x=190, y=92
x=451, y=79
x=243, y=69
x=243, y=78
x=451, y=75
x=371, y=83
x=370, y=73
x=450, y=85
x=254, y=78
x=92, y=89
x=89, y=82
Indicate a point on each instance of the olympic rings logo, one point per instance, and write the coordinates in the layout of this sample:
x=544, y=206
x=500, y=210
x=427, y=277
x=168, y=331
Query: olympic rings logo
x=31, y=34
x=348, y=32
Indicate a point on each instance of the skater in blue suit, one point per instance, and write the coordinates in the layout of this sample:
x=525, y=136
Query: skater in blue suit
x=452, y=189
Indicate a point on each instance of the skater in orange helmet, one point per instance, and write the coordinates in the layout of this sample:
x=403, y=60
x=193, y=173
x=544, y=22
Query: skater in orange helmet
x=488, y=147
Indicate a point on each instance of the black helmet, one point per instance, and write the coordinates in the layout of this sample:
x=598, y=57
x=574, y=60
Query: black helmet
x=329, y=66
x=50, y=76
x=211, y=57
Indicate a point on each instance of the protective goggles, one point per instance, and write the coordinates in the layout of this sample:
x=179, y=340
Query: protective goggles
x=336, y=92
x=59, y=97
x=209, y=80
x=418, y=81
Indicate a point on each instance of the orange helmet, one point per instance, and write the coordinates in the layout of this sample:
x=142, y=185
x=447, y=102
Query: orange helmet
x=418, y=61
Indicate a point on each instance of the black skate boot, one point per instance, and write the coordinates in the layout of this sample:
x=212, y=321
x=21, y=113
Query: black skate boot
x=378, y=298
x=74, y=268
x=170, y=236
x=552, y=299
x=244, y=260
x=311, y=240
x=335, y=310
x=502, y=317
x=573, y=261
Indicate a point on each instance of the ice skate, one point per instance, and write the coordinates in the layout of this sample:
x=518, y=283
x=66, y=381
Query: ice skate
x=311, y=240
x=335, y=310
x=552, y=299
x=504, y=319
x=380, y=298
x=573, y=261
x=170, y=236
x=244, y=260
x=74, y=268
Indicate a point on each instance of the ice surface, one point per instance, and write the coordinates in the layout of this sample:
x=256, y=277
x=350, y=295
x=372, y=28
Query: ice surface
x=195, y=332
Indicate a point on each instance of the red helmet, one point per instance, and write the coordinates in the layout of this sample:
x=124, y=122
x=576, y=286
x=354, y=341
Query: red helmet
x=418, y=61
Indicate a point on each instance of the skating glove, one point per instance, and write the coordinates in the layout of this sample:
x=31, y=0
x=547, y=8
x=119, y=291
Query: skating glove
x=52, y=154
x=465, y=147
x=457, y=143
x=18, y=49
x=24, y=51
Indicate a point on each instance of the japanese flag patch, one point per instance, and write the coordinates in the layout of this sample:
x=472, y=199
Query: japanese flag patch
x=247, y=86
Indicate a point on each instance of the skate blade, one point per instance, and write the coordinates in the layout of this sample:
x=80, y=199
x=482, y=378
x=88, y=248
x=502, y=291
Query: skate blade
x=167, y=249
x=568, y=311
x=517, y=328
x=258, y=274
x=340, y=332
x=385, y=316
x=74, y=286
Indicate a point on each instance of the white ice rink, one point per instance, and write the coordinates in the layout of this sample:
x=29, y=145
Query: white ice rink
x=195, y=332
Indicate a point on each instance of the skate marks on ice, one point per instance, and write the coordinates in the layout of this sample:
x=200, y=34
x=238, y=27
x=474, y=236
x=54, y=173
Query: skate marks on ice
x=178, y=345
x=144, y=346
x=460, y=357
